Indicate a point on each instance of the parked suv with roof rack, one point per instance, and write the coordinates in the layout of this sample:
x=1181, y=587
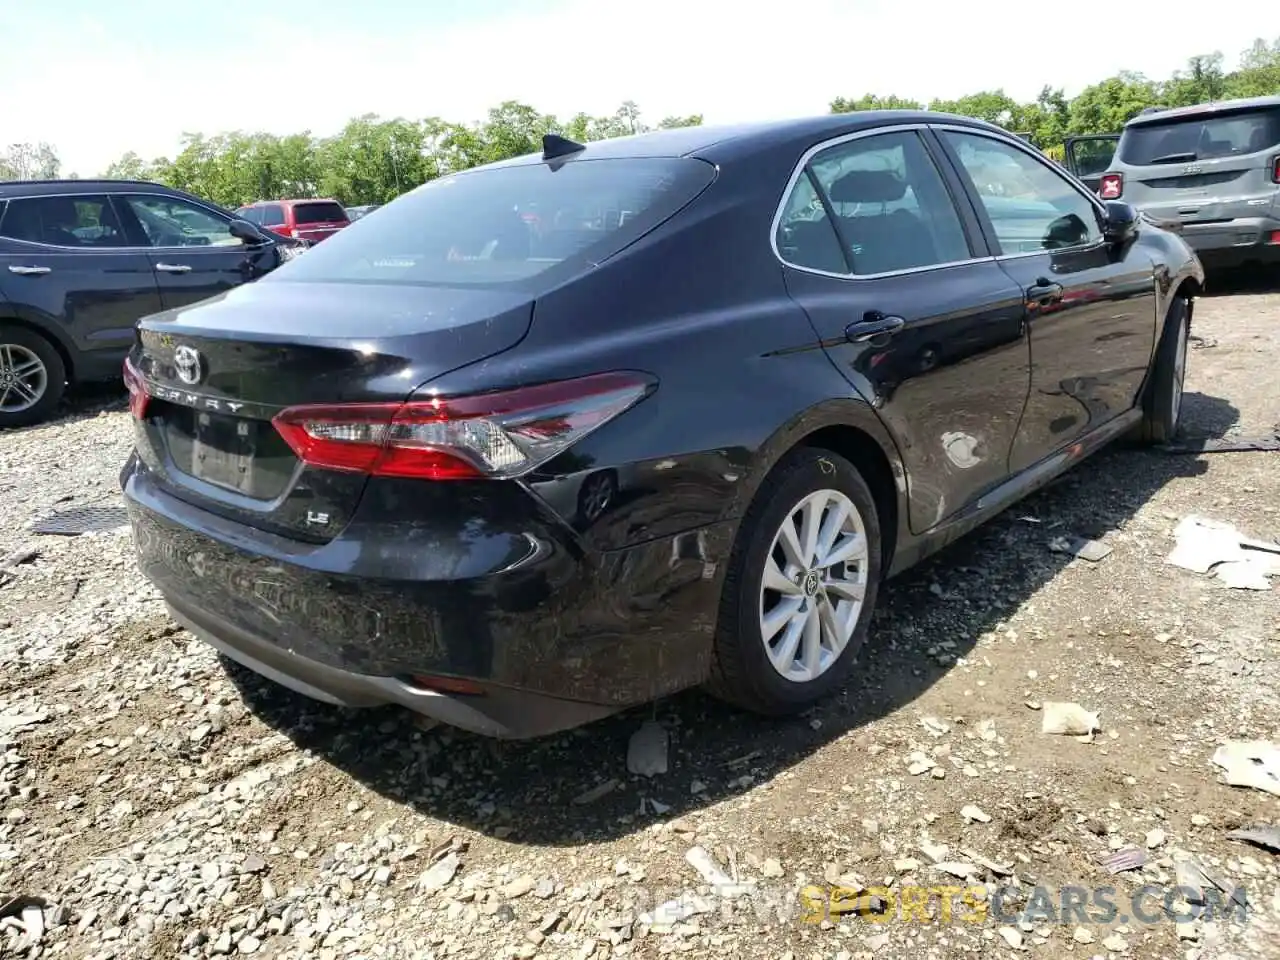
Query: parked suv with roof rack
x=312, y=220
x=1214, y=168
x=82, y=260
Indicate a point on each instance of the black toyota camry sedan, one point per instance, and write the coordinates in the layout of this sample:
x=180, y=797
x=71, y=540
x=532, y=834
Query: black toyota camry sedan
x=563, y=434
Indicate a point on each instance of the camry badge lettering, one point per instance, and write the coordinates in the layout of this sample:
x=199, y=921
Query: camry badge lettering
x=189, y=399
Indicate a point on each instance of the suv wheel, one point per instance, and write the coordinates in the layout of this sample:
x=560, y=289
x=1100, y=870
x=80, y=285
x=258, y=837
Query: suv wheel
x=801, y=586
x=32, y=377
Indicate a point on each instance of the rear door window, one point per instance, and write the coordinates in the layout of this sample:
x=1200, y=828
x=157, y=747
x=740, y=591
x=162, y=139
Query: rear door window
x=63, y=221
x=306, y=213
x=271, y=215
x=507, y=224
x=1202, y=138
x=891, y=205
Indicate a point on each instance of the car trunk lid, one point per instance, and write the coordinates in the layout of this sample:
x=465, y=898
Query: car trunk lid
x=215, y=375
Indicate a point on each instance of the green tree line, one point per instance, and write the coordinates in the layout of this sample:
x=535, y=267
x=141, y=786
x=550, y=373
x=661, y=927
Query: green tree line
x=374, y=159
x=1102, y=107
x=371, y=160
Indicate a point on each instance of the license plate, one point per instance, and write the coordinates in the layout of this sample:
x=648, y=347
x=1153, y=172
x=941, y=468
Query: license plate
x=223, y=451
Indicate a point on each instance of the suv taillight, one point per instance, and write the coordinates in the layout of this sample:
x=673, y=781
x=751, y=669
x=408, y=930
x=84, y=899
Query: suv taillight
x=1275, y=169
x=1112, y=186
x=489, y=436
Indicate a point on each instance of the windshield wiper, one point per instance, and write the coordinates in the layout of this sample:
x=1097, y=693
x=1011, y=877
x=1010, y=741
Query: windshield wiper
x=1174, y=158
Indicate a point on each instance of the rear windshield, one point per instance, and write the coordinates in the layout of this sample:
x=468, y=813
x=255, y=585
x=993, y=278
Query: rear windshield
x=1202, y=138
x=316, y=213
x=506, y=224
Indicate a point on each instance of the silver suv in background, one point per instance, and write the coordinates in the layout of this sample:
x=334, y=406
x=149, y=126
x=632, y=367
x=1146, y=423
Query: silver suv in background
x=1214, y=168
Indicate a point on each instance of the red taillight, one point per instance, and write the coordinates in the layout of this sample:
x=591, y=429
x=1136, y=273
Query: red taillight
x=1274, y=239
x=1275, y=169
x=138, y=396
x=1112, y=186
x=493, y=435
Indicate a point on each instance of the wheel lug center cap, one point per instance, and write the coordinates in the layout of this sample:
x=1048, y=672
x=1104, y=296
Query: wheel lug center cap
x=810, y=583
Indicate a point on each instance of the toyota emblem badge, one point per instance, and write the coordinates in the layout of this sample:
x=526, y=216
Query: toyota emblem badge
x=188, y=364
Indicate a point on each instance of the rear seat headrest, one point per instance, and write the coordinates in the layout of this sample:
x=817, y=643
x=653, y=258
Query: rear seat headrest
x=868, y=186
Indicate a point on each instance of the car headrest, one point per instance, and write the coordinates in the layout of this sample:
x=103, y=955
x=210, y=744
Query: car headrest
x=868, y=186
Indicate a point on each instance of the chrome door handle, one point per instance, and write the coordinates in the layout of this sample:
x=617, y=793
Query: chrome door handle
x=174, y=267
x=29, y=271
x=875, y=326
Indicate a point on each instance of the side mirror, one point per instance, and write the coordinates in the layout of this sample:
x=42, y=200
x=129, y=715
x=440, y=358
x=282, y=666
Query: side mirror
x=248, y=232
x=1120, y=221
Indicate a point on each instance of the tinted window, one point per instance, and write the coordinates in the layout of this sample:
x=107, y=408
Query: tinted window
x=272, y=215
x=304, y=213
x=169, y=222
x=805, y=236
x=252, y=214
x=1030, y=205
x=82, y=221
x=1092, y=156
x=1202, y=138
x=506, y=224
x=891, y=205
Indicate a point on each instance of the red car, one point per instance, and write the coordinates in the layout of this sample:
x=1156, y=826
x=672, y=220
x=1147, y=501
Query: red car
x=312, y=220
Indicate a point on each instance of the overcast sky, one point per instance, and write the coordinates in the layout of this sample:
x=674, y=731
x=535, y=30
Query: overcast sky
x=96, y=79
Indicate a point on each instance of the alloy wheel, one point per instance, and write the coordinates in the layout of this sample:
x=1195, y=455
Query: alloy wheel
x=23, y=378
x=814, y=585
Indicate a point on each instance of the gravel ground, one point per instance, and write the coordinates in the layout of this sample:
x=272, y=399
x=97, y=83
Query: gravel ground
x=157, y=802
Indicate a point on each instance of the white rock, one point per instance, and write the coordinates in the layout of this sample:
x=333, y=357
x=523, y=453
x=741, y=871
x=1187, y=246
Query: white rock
x=974, y=813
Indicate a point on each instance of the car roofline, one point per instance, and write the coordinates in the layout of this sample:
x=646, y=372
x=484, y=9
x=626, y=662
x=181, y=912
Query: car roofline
x=705, y=142
x=1208, y=109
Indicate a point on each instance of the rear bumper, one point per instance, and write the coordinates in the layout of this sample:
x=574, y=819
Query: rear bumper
x=500, y=712
x=553, y=635
x=1235, y=242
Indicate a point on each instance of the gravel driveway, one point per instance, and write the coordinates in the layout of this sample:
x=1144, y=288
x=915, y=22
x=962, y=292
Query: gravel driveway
x=157, y=803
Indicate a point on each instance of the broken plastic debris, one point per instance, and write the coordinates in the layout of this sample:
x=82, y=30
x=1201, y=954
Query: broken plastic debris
x=1122, y=860
x=1091, y=550
x=1262, y=835
x=1239, y=561
x=1068, y=719
x=1250, y=763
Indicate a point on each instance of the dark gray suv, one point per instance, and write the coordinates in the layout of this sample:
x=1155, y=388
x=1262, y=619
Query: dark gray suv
x=82, y=260
x=1214, y=168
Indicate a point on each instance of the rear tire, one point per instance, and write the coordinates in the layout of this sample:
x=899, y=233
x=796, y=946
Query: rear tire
x=791, y=621
x=33, y=377
x=1162, y=401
